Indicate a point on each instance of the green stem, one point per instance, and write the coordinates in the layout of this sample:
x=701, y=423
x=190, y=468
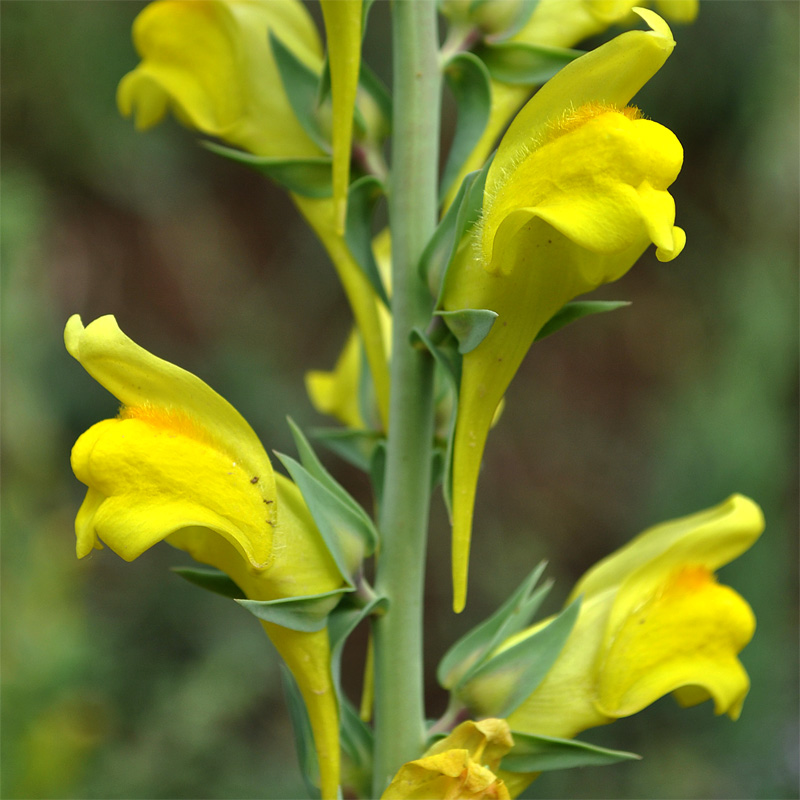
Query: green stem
x=399, y=699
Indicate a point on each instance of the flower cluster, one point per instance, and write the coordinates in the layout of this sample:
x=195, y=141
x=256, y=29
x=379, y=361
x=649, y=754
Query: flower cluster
x=577, y=190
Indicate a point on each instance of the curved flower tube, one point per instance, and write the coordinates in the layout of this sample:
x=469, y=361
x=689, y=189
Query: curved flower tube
x=557, y=23
x=461, y=766
x=210, y=63
x=180, y=464
x=653, y=620
x=576, y=193
x=343, y=34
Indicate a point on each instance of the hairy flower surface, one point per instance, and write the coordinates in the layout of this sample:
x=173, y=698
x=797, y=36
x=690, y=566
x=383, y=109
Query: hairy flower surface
x=576, y=193
x=180, y=464
x=653, y=620
x=461, y=766
x=557, y=23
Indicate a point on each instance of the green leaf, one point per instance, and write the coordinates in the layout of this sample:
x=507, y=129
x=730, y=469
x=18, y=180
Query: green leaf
x=468, y=80
x=355, y=447
x=525, y=9
x=308, y=614
x=464, y=212
x=470, y=651
x=311, y=462
x=574, y=311
x=302, y=89
x=521, y=668
x=213, y=580
x=348, y=537
x=377, y=470
x=310, y=177
x=357, y=747
x=303, y=736
x=362, y=199
x=377, y=90
x=343, y=621
x=469, y=325
x=533, y=753
x=525, y=64
x=449, y=361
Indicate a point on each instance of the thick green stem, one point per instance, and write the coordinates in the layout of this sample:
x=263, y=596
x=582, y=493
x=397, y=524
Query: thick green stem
x=399, y=701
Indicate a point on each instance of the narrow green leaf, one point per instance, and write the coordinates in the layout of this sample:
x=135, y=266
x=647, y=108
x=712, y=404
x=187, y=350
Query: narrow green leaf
x=355, y=447
x=448, y=360
x=574, y=311
x=440, y=249
x=357, y=747
x=362, y=199
x=520, y=669
x=525, y=64
x=347, y=533
x=377, y=90
x=464, y=212
x=469, y=325
x=308, y=614
x=468, y=80
x=303, y=736
x=343, y=621
x=469, y=652
x=310, y=177
x=213, y=580
x=311, y=462
x=533, y=753
x=302, y=89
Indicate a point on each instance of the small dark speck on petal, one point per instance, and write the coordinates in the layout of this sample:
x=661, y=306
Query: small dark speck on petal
x=254, y=479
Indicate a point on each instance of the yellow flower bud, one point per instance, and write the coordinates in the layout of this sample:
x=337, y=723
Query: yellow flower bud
x=461, y=766
x=576, y=193
x=180, y=464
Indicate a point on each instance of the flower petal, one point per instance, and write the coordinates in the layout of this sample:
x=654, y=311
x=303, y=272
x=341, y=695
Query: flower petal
x=211, y=63
x=137, y=378
x=710, y=538
x=156, y=480
x=687, y=635
x=611, y=75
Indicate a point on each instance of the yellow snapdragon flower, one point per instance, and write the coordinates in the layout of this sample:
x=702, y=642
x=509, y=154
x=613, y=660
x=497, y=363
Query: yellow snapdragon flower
x=556, y=23
x=211, y=63
x=461, y=766
x=180, y=464
x=653, y=620
x=576, y=193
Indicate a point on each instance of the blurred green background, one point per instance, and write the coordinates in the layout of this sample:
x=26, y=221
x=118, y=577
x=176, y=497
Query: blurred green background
x=122, y=681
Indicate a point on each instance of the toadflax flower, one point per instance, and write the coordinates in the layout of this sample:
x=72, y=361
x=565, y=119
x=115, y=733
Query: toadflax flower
x=212, y=65
x=554, y=24
x=461, y=766
x=653, y=620
x=576, y=193
x=180, y=464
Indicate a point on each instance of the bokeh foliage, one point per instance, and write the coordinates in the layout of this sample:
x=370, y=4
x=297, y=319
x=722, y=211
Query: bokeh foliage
x=120, y=680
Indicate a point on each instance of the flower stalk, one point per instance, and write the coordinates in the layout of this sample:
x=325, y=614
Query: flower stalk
x=404, y=516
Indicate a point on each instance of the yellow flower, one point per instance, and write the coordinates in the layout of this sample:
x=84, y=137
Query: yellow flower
x=180, y=464
x=461, y=766
x=653, y=620
x=557, y=23
x=211, y=63
x=576, y=193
